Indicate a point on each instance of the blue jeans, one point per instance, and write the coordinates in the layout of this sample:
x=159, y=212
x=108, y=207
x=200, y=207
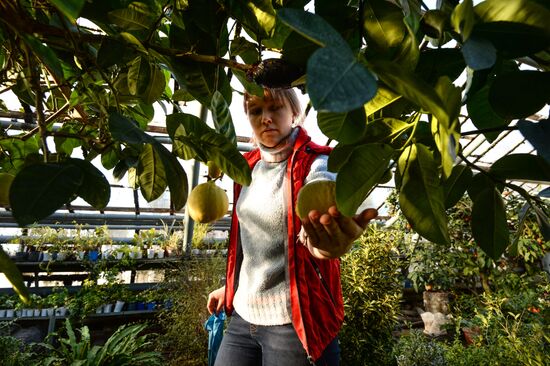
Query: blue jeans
x=246, y=344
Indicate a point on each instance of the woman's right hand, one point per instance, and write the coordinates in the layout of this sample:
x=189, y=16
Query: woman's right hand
x=216, y=300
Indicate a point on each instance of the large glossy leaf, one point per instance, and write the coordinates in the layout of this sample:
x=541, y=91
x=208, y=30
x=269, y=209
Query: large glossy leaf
x=521, y=167
x=421, y=196
x=38, y=190
x=175, y=176
x=519, y=11
x=386, y=130
x=339, y=156
x=222, y=152
x=358, y=176
x=125, y=130
x=446, y=132
x=381, y=99
x=538, y=135
x=257, y=16
x=463, y=19
x=434, y=63
x=46, y=55
x=312, y=27
x=489, y=226
x=456, y=185
x=10, y=270
x=157, y=84
x=337, y=82
x=139, y=75
x=95, y=188
x=513, y=40
x=247, y=50
x=482, y=114
x=383, y=24
x=297, y=49
x=132, y=18
x=221, y=115
x=70, y=8
x=114, y=51
x=194, y=139
x=347, y=128
x=152, y=173
x=520, y=94
x=199, y=79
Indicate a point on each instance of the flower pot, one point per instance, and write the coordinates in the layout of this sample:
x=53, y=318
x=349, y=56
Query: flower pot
x=132, y=306
x=139, y=254
x=50, y=311
x=99, y=309
x=44, y=312
x=151, y=305
x=61, y=256
x=140, y=305
x=119, y=255
x=168, y=304
x=118, y=306
x=36, y=312
x=93, y=255
x=150, y=253
x=2, y=313
x=29, y=313
x=21, y=256
x=160, y=254
x=60, y=311
x=33, y=256
x=107, y=308
x=46, y=257
x=81, y=254
x=19, y=313
x=10, y=313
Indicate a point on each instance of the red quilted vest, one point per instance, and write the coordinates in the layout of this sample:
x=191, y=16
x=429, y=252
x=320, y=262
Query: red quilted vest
x=315, y=289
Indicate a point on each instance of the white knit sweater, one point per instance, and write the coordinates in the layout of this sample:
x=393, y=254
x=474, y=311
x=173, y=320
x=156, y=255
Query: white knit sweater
x=263, y=293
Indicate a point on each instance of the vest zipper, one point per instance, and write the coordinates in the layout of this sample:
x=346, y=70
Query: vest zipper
x=322, y=280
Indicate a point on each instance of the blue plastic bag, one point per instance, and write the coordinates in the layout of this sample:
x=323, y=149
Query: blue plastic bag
x=214, y=326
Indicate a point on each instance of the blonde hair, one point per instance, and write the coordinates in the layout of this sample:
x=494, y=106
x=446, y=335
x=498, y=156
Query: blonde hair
x=280, y=95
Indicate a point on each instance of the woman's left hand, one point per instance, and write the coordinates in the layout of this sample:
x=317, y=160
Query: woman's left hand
x=331, y=235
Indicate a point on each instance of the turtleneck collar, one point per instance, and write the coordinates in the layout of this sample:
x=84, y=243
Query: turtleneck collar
x=281, y=151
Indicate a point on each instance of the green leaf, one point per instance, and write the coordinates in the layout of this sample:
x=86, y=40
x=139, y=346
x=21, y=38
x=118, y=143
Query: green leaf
x=385, y=130
x=463, y=19
x=221, y=115
x=518, y=11
x=489, y=226
x=312, y=27
x=347, y=128
x=360, y=174
x=250, y=87
x=67, y=144
x=383, y=24
x=185, y=131
x=139, y=75
x=125, y=130
x=297, y=49
x=381, y=99
x=39, y=190
x=95, y=188
x=513, y=40
x=455, y=186
x=421, y=196
x=519, y=94
x=70, y=8
x=225, y=154
x=248, y=51
x=109, y=158
x=155, y=88
x=114, y=51
x=46, y=55
x=521, y=167
x=337, y=82
x=131, y=19
x=446, y=132
x=10, y=270
x=538, y=135
x=482, y=114
x=434, y=23
x=258, y=16
x=152, y=173
x=339, y=156
x=434, y=63
x=175, y=175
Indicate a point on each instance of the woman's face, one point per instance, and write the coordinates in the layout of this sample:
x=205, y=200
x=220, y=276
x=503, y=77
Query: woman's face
x=271, y=120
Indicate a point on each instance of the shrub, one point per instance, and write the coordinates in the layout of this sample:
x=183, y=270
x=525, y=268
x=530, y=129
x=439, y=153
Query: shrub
x=372, y=290
x=184, y=340
x=416, y=349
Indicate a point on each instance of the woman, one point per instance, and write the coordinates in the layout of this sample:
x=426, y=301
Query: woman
x=283, y=276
